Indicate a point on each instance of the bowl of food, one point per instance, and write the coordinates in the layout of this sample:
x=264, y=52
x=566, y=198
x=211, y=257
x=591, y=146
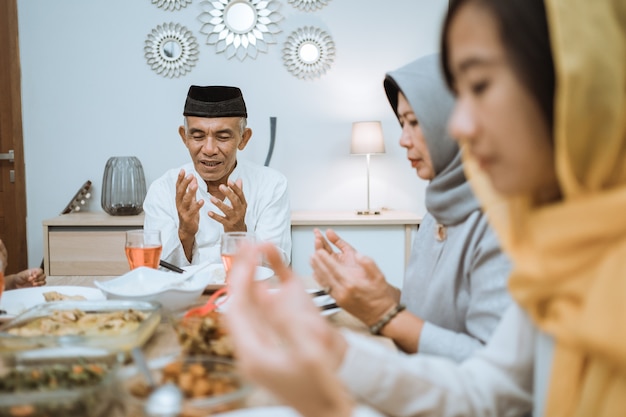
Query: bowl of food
x=208, y=384
x=172, y=290
x=203, y=335
x=59, y=383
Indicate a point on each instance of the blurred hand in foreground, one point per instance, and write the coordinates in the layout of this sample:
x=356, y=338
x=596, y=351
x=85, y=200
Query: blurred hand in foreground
x=281, y=341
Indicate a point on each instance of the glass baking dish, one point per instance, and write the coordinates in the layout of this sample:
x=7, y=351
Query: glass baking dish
x=114, y=342
x=60, y=382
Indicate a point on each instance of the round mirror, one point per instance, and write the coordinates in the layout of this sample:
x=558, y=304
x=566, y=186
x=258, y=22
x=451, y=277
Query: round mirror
x=240, y=16
x=309, y=53
x=241, y=28
x=171, y=50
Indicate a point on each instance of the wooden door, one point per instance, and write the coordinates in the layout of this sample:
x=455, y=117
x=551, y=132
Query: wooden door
x=12, y=178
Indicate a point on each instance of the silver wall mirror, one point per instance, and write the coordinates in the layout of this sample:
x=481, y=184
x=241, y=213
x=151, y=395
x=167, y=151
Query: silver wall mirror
x=240, y=28
x=240, y=16
x=171, y=4
x=308, y=5
x=171, y=50
x=308, y=53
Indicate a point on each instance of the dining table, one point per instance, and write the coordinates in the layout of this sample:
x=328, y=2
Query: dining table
x=164, y=340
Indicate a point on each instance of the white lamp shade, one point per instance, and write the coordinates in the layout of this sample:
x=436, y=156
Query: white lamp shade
x=367, y=138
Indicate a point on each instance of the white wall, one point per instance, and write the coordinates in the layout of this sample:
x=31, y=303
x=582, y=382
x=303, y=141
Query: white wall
x=88, y=94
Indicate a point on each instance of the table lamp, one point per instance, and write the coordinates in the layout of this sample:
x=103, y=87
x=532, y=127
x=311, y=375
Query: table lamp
x=367, y=139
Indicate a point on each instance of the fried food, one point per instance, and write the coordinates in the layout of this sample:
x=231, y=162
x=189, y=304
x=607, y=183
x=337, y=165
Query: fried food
x=57, y=296
x=193, y=379
x=198, y=380
x=78, y=322
x=206, y=335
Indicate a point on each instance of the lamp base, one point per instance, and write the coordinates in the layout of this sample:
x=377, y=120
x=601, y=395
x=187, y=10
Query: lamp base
x=368, y=212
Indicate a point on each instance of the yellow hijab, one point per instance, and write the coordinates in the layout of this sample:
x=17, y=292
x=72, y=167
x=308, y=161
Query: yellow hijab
x=570, y=257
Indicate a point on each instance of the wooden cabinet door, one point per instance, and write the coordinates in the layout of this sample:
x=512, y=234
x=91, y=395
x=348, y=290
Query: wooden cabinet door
x=12, y=178
x=87, y=253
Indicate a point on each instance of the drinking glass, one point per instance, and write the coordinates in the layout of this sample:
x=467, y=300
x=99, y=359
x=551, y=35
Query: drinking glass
x=143, y=248
x=231, y=242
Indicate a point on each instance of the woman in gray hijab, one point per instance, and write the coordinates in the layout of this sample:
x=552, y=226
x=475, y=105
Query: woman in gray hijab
x=454, y=288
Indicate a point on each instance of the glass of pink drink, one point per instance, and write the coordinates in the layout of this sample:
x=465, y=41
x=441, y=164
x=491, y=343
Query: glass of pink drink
x=231, y=242
x=143, y=248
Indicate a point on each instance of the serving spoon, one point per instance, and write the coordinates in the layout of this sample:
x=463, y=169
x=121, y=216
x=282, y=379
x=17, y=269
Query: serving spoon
x=212, y=303
x=163, y=401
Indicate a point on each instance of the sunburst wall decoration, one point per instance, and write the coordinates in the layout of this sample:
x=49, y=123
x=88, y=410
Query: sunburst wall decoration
x=240, y=28
x=171, y=4
x=171, y=50
x=308, y=52
x=308, y=5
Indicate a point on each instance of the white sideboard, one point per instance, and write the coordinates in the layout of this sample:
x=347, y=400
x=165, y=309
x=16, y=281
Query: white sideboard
x=87, y=243
x=386, y=237
x=92, y=243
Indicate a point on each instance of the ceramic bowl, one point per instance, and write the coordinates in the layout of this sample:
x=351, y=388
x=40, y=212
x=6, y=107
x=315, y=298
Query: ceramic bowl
x=167, y=288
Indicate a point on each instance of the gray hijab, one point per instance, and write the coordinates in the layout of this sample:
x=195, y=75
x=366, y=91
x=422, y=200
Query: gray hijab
x=449, y=198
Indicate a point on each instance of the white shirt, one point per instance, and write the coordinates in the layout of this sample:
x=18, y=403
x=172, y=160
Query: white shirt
x=508, y=377
x=268, y=214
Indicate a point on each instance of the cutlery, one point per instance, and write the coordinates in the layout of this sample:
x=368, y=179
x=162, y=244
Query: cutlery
x=318, y=293
x=165, y=400
x=328, y=307
x=171, y=267
x=142, y=366
x=212, y=304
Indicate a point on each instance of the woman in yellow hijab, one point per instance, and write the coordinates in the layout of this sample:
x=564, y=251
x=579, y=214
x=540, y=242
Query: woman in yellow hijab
x=541, y=114
x=566, y=227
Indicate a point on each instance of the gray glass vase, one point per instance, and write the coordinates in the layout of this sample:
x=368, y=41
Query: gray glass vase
x=123, y=186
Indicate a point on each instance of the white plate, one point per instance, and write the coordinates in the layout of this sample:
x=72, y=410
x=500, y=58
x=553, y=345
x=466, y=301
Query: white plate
x=218, y=274
x=15, y=302
x=261, y=412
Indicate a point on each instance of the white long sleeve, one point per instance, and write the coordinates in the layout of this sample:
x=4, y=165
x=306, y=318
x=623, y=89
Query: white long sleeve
x=268, y=213
x=496, y=381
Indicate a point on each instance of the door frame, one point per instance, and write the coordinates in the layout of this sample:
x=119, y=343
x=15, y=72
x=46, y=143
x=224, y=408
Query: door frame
x=12, y=194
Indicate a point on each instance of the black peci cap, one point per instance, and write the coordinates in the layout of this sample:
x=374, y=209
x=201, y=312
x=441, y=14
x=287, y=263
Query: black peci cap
x=215, y=101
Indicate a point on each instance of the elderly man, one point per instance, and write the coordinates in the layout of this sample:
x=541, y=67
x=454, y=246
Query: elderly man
x=216, y=192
